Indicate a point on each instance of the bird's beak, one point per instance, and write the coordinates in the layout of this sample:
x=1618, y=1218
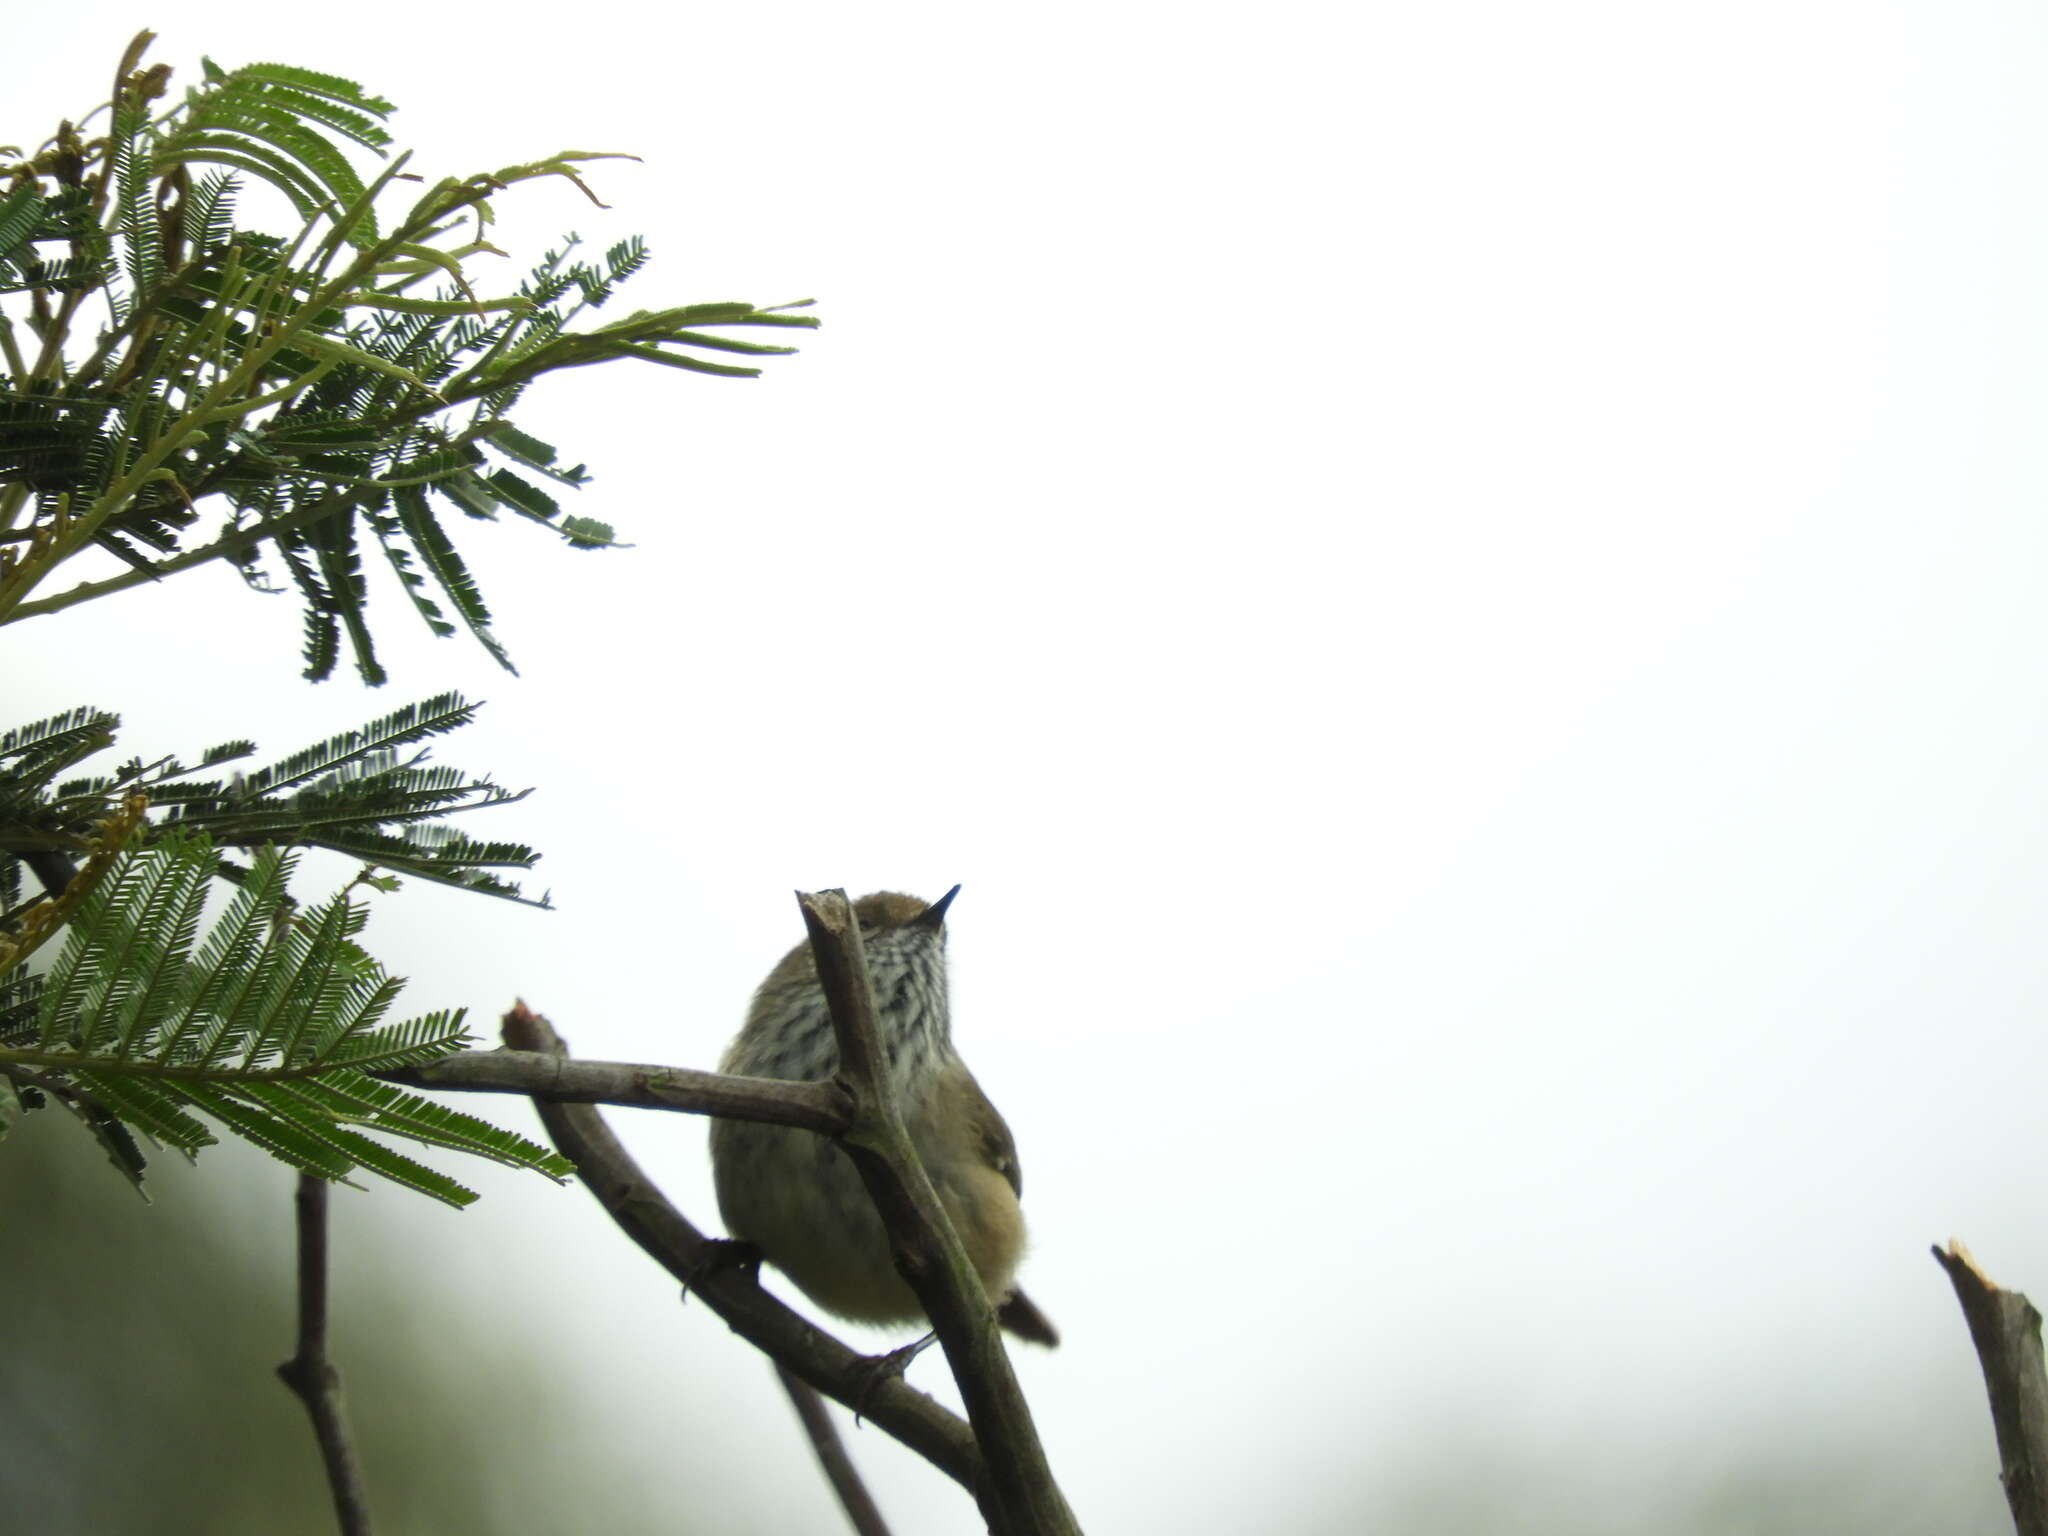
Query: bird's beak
x=934, y=916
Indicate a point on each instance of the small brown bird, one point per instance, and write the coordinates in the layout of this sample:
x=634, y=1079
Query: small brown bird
x=799, y=1199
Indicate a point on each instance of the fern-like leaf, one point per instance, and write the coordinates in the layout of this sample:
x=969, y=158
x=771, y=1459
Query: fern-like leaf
x=416, y=722
x=265, y=1028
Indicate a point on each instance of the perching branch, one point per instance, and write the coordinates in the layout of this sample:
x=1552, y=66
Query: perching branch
x=2007, y=1333
x=1018, y=1496
x=733, y=1290
x=557, y=1079
x=311, y=1375
x=1024, y=1498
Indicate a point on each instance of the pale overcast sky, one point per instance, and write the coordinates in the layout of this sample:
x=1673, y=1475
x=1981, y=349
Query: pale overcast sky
x=1459, y=584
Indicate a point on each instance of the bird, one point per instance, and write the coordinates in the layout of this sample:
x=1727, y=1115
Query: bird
x=797, y=1197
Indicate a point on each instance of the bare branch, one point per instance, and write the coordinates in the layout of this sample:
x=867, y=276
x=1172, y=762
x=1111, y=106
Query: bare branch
x=1020, y=1497
x=2007, y=1332
x=556, y=1079
x=839, y=1469
x=733, y=1290
x=312, y=1375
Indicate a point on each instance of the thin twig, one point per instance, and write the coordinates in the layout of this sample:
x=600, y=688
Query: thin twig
x=839, y=1469
x=733, y=1290
x=2007, y=1333
x=1019, y=1497
x=819, y=1107
x=312, y=1375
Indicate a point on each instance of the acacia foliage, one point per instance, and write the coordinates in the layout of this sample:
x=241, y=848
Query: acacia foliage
x=307, y=403
x=179, y=388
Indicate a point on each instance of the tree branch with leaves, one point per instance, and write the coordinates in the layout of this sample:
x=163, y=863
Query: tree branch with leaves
x=304, y=383
x=179, y=387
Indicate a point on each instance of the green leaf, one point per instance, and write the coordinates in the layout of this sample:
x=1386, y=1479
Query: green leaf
x=437, y=716
x=532, y=452
x=168, y=417
x=437, y=552
x=265, y=1028
x=588, y=533
x=523, y=497
x=373, y=793
x=21, y=210
x=149, y=1108
x=306, y=195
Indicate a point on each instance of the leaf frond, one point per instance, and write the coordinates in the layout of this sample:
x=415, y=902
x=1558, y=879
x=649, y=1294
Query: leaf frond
x=266, y=1028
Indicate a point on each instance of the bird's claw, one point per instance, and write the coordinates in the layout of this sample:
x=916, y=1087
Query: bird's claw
x=877, y=1371
x=718, y=1255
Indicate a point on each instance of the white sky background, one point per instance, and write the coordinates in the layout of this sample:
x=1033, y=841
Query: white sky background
x=1459, y=584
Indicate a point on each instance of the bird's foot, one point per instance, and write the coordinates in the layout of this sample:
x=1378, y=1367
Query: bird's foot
x=718, y=1256
x=877, y=1371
